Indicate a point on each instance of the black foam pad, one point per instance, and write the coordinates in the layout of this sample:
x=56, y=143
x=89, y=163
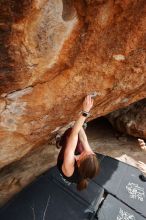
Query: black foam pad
x=132, y=190
x=113, y=209
x=111, y=174
x=122, y=180
x=91, y=196
x=51, y=198
x=100, y=156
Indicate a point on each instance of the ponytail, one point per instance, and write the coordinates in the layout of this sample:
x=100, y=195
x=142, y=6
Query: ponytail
x=82, y=184
x=88, y=169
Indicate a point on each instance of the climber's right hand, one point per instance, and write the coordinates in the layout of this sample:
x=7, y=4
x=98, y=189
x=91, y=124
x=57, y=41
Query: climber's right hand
x=87, y=103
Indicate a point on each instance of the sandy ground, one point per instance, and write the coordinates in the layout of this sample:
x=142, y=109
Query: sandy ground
x=106, y=140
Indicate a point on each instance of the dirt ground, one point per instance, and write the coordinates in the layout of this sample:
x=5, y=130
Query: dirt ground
x=104, y=139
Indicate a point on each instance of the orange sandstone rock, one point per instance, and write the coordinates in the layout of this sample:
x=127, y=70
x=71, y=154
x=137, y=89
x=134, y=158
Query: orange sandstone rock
x=53, y=53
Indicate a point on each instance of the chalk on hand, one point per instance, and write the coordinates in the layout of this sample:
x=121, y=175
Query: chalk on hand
x=93, y=94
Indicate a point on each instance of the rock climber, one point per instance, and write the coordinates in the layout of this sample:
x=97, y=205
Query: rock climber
x=76, y=161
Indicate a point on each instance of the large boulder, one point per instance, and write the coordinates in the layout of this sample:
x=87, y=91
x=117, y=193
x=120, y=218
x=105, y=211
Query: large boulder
x=53, y=53
x=130, y=120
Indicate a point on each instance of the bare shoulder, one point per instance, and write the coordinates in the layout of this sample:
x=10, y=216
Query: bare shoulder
x=67, y=171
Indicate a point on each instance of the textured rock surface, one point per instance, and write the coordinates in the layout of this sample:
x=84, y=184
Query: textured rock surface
x=52, y=53
x=130, y=120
